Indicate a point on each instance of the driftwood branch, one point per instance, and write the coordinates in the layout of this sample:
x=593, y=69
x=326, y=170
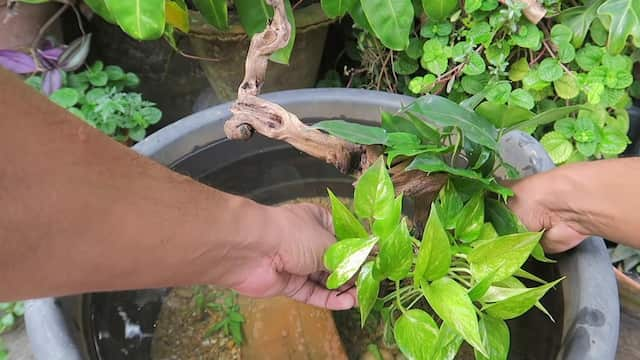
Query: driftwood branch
x=253, y=114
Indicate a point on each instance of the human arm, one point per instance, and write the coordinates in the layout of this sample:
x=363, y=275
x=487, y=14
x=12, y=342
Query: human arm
x=574, y=201
x=82, y=213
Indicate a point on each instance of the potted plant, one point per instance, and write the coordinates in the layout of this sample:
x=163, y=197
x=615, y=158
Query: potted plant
x=463, y=271
x=219, y=33
x=97, y=94
x=511, y=61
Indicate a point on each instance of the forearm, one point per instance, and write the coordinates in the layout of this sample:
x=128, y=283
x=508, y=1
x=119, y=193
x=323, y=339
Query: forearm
x=81, y=212
x=597, y=198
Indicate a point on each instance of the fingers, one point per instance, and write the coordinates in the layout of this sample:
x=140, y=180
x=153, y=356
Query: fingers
x=301, y=288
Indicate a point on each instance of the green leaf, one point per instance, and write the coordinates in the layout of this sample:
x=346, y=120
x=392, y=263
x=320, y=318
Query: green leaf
x=414, y=50
x=557, y=146
x=586, y=130
x=579, y=20
x=522, y=300
x=480, y=33
x=214, y=11
x=345, y=257
x=561, y=34
x=481, y=287
x=521, y=98
x=433, y=163
x=526, y=275
x=474, y=84
x=137, y=134
x=253, y=15
x=471, y=219
x=567, y=86
x=514, y=250
x=98, y=78
x=444, y=112
x=355, y=133
x=404, y=65
x=141, y=19
x=532, y=81
x=613, y=142
x=452, y=304
x=566, y=127
x=415, y=333
x=374, y=191
x=434, y=57
x=434, y=257
x=396, y=253
x=622, y=18
x=439, y=10
x=598, y=33
x=499, y=92
x=447, y=344
x=114, y=73
x=336, y=8
x=528, y=36
x=472, y=5
x=388, y=219
x=548, y=116
x=368, y=289
x=391, y=21
x=538, y=254
x=589, y=57
x=282, y=55
x=519, y=69
x=359, y=18
x=65, y=97
x=99, y=7
x=345, y=224
x=426, y=132
x=566, y=53
x=151, y=115
x=550, y=70
x=496, y=339
x=449, y=205
x=587, y=149
x=475, y=66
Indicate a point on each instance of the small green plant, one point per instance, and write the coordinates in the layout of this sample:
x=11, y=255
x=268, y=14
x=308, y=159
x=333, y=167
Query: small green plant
x=10, y=312
x=232, y=319
x=98, y=96
x=465, y=268
x=488, y=56
x=627, y=256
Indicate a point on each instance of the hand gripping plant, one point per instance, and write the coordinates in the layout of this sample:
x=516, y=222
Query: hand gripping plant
x=451, y=273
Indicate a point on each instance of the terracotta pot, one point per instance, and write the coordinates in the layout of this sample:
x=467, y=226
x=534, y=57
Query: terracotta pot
x=629, y=291
x=229, y=49
x=20, y=25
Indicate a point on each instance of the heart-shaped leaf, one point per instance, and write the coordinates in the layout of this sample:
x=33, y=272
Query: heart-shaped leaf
x=345, y=257
x=434, y=257
x=514, y=249
x=452, y=304
x=415, y=333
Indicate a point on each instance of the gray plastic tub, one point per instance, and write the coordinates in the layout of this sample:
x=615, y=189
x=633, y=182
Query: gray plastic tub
x=586, y=305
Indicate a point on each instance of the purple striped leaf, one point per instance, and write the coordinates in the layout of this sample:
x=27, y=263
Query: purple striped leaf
x=52, y=81
x=17, y=62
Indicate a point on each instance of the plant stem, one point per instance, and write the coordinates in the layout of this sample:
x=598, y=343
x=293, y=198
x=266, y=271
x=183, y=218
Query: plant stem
x=399, y=303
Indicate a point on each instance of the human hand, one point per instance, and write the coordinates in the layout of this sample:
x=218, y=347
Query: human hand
x=540, y=204
x=285, y=258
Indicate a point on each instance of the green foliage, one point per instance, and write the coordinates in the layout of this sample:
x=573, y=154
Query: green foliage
x=98, y=96
x=491, y=58
x=10, y=312
x=227, y=306
x=462, y=269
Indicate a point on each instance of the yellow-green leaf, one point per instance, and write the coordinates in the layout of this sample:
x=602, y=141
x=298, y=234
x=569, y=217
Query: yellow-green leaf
x=177, y=15
x=141, y=19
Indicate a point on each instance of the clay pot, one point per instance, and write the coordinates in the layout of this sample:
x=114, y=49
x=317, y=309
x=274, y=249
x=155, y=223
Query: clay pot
x=228, y=49
x=20, y=25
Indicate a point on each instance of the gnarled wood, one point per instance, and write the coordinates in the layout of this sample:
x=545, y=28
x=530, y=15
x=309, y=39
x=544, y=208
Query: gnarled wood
x=253, y=114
